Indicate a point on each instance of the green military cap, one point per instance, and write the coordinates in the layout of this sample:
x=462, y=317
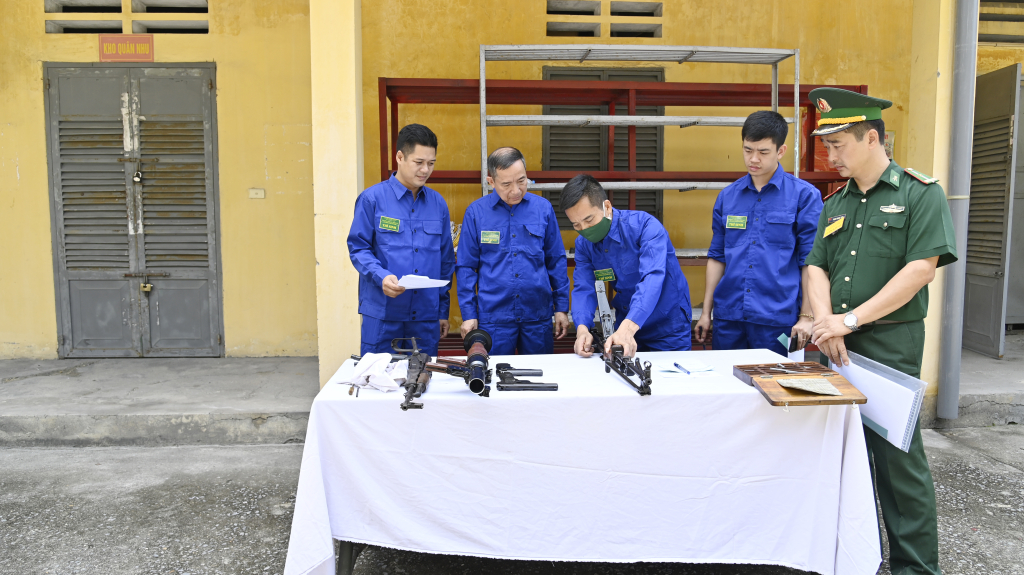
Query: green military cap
x=841, y=109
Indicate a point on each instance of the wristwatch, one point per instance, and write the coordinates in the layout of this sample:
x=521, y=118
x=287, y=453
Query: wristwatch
x=850, y=321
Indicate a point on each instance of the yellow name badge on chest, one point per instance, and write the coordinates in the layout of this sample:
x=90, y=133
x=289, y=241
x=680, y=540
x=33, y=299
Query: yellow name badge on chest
x=736, y=222
x=490, y=237
x=604, y=275
x=390, y=224
x=835, y=224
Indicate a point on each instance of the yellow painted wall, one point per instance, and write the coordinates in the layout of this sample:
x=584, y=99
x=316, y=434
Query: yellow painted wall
x=931, y=76
x=441, y=38
x=261, y=48
x=338, y=161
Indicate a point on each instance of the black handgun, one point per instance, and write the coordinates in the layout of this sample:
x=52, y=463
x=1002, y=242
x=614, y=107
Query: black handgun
x=508, y=379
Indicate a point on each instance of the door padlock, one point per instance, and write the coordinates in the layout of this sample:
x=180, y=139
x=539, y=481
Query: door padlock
x=137, y=177
x=147, y=287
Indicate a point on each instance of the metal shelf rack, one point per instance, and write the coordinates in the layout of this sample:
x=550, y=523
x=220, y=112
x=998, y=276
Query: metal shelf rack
x=613, y=53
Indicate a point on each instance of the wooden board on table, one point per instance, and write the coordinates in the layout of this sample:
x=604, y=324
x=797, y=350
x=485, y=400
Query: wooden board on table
x=763, y=377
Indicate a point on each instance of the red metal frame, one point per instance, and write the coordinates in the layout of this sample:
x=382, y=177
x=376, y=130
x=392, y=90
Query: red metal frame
x=613, y=94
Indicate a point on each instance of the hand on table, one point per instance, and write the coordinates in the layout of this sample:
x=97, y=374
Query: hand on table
x=561, y=324
x=391, y=287
x=624, y=337
x=584, y=342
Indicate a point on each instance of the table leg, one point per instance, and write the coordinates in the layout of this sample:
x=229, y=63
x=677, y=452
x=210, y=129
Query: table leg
x=348, y=552
x=346, y=558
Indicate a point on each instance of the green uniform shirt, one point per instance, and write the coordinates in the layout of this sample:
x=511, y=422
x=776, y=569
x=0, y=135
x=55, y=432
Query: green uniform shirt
x=874, y=234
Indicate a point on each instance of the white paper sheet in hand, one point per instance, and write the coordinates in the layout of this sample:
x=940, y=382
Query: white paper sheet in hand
x=420, y=282
x=894, y=398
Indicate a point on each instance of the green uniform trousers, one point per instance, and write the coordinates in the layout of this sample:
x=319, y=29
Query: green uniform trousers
x=903, y=481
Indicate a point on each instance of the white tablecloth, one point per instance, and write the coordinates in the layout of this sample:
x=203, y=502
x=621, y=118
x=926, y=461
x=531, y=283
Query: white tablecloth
x=703, y=471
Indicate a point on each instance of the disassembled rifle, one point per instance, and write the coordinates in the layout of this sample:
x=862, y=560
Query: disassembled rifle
x=417, y=378
x=625, y=367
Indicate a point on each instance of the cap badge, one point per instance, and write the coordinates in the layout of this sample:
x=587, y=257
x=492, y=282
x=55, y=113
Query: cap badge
x=823, y=105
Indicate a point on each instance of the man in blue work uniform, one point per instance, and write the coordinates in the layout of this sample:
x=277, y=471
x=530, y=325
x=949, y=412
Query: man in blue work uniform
x=511, y=266
x=402, y=227
x=631, y=250
x=763, y=228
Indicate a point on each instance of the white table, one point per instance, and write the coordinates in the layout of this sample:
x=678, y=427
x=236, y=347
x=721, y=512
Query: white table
x=703, y=471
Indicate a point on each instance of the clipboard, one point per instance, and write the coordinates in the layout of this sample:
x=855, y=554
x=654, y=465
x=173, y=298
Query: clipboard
x=895, y=398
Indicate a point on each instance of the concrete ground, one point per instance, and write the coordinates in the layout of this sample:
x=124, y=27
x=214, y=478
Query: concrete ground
x=991, y=390
x=227, y=510
x=173, y=401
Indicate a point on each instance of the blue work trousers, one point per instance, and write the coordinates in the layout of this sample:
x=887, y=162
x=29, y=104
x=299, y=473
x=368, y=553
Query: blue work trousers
x=376, y=335
x=529, y=338
x=728, y=334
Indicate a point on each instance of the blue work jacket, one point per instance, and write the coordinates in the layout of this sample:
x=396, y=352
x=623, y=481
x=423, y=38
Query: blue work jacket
x=393, y=234
x=763, y=239
x=638, y=258
x=511, y=265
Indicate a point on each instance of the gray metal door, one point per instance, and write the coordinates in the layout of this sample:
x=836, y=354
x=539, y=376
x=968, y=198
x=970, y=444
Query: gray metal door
x=991, y=207
x=135, y=262
x=1015, y=259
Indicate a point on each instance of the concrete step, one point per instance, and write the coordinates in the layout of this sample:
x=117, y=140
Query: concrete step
x=248, y=401
x=156, y=401
x=991, y=390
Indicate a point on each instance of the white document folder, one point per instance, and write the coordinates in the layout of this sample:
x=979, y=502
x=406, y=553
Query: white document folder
x=894, y=398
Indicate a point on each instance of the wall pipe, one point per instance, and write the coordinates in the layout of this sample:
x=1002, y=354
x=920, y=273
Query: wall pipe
x=965, y=64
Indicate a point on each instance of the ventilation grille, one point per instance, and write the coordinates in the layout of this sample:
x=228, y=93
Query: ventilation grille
x=93, y=195
x=577, y=18
x=990, y=173
x=174, y=202
x=93, y=17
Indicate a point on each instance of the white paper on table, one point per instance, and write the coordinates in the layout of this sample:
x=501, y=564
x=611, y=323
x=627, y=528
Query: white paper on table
x=420, y=282
x=894, y=398
x=667, y=366
x=692, y=365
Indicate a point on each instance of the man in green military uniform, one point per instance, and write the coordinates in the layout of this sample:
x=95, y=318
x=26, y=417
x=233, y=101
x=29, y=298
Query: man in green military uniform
x=880, y=239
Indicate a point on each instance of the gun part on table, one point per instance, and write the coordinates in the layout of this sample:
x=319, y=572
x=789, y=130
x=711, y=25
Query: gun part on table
x=417, y=377
x=628, y=367
x=508, y=379
x=598, y=335
x=474, y=369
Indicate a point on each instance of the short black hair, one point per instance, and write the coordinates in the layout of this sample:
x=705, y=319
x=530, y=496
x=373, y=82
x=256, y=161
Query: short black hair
x=580, y=186
x=860, y=128
x=503, y=159
x=765, y=124
x=414, y=134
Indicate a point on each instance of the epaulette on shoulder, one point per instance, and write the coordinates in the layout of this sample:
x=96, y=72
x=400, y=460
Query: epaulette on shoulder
x=920, y=177
x=825, y=199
